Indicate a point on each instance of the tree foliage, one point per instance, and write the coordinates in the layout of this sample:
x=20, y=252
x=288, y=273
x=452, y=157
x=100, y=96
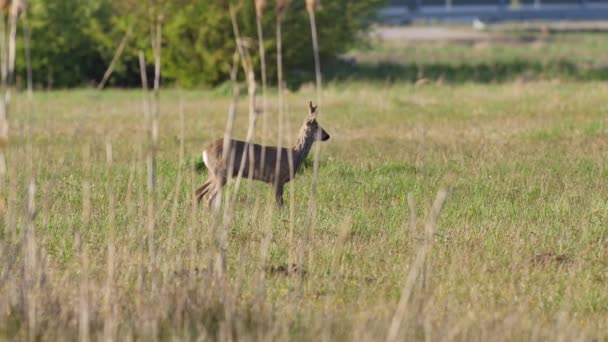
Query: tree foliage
x=73, y=41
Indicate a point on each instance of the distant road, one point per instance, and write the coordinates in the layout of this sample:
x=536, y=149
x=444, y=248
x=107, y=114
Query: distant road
x=494, y=13
x=427, y=33
x=468, y=33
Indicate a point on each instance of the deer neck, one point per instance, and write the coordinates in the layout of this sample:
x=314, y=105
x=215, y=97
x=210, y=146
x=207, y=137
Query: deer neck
x=303, y=146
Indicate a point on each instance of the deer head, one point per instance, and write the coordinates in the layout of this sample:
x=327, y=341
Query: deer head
x=313, y=126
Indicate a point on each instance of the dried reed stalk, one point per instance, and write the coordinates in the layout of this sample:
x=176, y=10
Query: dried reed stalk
x=109, y=307
x=4, y=53
x=3, y=109
x=12, y=42
x=430, y=229
x=312, y=205
x=251, y=89
x=260, y=6
x=345, y=230
x=156, y=36
x=150, y=163
x=292, y=252
x=130, y=204
x=30, y=262
x=311, y=6
x=157, y=74
x=265, y=246
x=83, y=300
x=412, y=205
x=229, y=122
x=280, y=9
x=11, y=217
x=178, y=181
x=222, y=235
x=140, y=180
x=416, y=268
x=8, y=74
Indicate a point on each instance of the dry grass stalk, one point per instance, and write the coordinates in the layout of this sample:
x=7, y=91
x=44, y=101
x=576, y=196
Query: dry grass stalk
x=251, y=89
x=30, y=262
x=280, y=11
x=345, y=230
x=230, y=119
x=7, y=61
x=83, y=300
x=178, y=181
x=11, y=209
x=415, y=269
x=430, y=227
x=117, y=54
x=16, y=6
x=140, y=180
x=291, y=259
x=222, y=235
x=260, y=5
x=312, y=5
x=261, y=270
x=280, y=7
x=194, y=223
x=144, y=85
x=157, y=73
x=150, y=164
x=8, y=70
x=109, y=304
x=28, y=59
x=157, y=38
x=312, y=205
x=412, y=205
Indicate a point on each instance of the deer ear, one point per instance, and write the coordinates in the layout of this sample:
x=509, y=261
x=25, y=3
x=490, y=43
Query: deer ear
x=312, y=110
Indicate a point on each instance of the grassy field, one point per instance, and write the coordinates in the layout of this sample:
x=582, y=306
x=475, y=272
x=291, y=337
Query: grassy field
x=496, y=56
x=519, y=251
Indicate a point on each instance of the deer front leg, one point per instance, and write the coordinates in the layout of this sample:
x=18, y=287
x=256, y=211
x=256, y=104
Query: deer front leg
x=278, y=194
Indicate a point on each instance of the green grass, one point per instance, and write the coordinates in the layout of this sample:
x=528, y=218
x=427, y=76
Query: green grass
x=507, y=56
x=525, y=164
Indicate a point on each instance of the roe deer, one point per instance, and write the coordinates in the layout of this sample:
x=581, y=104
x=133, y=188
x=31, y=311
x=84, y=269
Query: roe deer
x=270, y=164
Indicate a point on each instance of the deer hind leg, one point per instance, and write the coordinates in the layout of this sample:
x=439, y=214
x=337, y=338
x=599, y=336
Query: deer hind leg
x=203, y=190
x=211, y=199
x=215, y=189
x=278, y=194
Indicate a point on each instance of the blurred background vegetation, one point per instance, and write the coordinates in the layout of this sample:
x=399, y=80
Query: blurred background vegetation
x=73, y=41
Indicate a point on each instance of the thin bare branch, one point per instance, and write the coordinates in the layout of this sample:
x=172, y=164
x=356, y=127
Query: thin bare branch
x=117, y=54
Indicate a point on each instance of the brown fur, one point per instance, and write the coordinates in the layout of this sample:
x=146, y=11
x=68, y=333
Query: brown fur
x=263, y=169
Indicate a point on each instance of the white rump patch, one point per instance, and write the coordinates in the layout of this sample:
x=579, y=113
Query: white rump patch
x=205, y=160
